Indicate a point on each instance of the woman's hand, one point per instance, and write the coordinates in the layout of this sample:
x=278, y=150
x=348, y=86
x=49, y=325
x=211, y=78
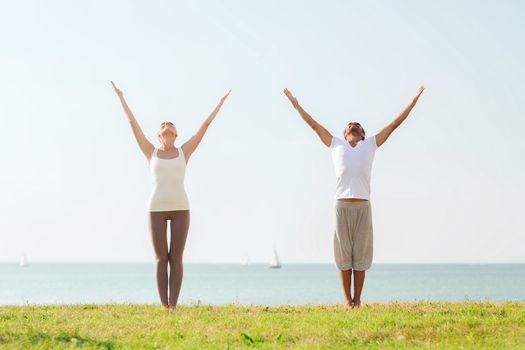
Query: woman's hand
x=217, y=109
x=117, y=90
x=145, y=146
x=223, y=98
x=191, y=145
x=419, y=91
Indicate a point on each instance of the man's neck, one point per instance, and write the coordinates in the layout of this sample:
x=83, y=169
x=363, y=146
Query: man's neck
x=353, y=140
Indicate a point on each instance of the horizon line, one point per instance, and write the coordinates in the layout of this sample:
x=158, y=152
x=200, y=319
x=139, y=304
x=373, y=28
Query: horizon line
x=264, y=262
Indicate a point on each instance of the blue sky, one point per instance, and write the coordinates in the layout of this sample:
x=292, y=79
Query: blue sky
x=447, y=186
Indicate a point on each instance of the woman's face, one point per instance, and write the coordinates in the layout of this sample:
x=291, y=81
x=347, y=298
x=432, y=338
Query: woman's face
x=167, y=128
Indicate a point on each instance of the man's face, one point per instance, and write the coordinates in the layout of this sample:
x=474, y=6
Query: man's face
x=355, y=129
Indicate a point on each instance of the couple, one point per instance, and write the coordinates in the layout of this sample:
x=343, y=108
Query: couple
x=352, y=157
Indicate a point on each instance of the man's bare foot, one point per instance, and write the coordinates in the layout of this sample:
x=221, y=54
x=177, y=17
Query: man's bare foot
x=172, y=308
x=347, y=304
x=165, y=306
x=356, y=304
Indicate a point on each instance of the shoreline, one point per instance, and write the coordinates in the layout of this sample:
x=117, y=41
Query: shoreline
x=239, y=305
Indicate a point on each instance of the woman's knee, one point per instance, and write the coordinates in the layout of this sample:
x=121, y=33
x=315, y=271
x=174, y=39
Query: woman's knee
x=175, y=258
x=162, y=259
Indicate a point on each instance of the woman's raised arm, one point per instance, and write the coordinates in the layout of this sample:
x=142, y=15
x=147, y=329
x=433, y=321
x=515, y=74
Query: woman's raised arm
x=145, y=146
x=191, y=145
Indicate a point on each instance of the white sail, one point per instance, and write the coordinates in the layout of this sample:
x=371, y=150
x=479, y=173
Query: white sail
x=275, y=263
x=23, y=260
x=245, y=261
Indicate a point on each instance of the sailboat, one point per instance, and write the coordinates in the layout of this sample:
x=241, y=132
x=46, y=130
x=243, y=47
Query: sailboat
x=275, y=263
x=245, y=261
x=23, y=261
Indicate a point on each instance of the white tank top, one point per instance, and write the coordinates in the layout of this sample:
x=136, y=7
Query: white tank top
x=168, y=183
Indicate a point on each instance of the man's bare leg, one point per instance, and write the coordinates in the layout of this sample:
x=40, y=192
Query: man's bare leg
x=346, y=281
x=359, y=281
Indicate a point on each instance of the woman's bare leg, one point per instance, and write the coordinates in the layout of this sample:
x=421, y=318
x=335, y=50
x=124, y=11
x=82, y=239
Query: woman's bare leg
x=180, y=223
x=158, y=225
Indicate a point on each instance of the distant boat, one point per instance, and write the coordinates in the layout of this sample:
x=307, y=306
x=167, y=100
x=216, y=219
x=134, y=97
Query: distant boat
x=23, y=261
x=275, y=263
x=245, y=261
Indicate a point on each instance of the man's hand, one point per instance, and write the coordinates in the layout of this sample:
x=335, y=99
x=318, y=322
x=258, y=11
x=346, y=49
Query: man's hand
x=291, y=97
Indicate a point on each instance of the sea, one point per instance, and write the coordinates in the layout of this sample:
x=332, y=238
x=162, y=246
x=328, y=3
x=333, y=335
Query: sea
x=257, y=284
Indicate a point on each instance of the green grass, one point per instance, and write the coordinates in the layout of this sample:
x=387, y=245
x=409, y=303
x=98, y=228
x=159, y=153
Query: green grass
x=376, y=326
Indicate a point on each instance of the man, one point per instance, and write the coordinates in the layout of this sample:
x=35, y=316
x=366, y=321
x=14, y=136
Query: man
x=352, y=158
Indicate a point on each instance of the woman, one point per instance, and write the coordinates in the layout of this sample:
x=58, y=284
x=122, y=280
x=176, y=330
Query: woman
x=168, y=201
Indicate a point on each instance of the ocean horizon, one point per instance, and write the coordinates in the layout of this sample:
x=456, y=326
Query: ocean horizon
x=256, y=284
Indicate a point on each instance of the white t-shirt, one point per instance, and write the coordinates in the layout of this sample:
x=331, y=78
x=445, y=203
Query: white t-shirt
x=353, y=167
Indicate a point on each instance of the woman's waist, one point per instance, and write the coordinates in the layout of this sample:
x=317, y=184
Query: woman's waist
x=168, y=191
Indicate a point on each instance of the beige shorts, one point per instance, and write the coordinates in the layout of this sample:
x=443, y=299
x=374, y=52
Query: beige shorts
x=353, y=235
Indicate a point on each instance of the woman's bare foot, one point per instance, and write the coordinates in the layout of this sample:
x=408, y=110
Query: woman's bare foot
x=165, y=306
x=356, y=304
x=172, y=308
x=347, y=304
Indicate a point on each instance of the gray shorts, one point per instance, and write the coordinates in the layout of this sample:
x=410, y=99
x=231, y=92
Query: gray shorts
x=353, y=235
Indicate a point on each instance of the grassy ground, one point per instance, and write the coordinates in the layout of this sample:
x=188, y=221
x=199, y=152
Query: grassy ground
x=376, y=326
